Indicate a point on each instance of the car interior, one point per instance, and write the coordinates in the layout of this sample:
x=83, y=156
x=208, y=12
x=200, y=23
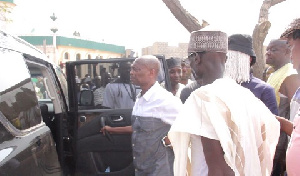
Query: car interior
x=99, y=154
x=94, y=153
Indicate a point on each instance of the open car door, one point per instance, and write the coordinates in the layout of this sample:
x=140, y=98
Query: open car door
x=94, y=152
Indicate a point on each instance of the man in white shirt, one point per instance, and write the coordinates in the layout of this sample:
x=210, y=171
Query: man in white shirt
x=153, y=114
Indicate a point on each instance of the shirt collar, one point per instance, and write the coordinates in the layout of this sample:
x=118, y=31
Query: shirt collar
x=150, y=91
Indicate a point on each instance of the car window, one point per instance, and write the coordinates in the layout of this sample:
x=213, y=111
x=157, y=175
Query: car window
x=39, y=86
x=102, y=86
x=45, y=86
x=107, y=85
x=18, y=99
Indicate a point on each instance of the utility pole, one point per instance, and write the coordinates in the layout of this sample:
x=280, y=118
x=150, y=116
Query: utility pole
x=54, y=30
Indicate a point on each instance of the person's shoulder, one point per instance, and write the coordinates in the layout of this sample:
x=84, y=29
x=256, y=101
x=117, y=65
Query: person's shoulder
x=260, y=83
x=224, y=87
x=161, y=93
x=192, y=86
x=108, y=85
x=292, y=78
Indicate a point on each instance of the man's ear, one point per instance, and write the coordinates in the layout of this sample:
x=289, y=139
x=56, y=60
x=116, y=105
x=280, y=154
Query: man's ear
x=197, y=59
x=152, y=72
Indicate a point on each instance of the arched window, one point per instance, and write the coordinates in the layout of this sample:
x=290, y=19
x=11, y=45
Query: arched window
x=66, y=56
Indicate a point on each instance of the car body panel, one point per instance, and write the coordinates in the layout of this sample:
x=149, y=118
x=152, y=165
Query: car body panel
x=26, y=143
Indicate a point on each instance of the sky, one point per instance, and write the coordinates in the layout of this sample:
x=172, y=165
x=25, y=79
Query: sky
x=136, y=24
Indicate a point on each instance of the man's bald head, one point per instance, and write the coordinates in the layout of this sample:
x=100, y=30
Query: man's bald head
x=149, y=61
x=278, y=53
x=144, y=71
x=280, y=42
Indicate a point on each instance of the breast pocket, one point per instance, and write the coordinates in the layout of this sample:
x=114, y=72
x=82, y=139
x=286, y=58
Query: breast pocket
x=146, y=124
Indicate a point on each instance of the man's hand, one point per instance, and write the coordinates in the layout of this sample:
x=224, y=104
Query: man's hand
x=166, y=142
x=285, y=125
x=116, y=130
x=107, y=129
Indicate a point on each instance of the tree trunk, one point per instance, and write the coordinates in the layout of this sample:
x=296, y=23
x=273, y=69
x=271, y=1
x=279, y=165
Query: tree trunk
x=259, y=35
x=183, y=16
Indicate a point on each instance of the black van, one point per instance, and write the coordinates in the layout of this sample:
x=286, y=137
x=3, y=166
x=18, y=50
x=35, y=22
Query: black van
x=50, y=124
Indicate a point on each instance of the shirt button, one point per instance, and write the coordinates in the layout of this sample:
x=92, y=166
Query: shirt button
x=134, y=157
x=132, y=145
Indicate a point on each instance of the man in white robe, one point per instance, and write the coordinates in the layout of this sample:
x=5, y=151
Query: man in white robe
x=231, y=132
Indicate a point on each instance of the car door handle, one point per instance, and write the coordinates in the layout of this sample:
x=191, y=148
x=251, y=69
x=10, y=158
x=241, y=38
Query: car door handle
x=118, y=119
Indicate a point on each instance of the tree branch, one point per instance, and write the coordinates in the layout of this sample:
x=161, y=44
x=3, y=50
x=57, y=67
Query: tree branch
x=183, y=16
x=259, y=35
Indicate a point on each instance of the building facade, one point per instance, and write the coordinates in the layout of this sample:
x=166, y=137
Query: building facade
x=162, y=48
x=72, y=49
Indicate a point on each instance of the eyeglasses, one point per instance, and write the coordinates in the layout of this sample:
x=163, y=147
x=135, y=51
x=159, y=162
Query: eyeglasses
x=192, y=55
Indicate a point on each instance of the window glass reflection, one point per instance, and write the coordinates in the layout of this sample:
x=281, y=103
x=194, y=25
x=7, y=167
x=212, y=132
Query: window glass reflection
x=18, y=102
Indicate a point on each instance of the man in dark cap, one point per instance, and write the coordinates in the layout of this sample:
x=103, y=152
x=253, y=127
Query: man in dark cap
x=175, y=73
x=121, y=94
x=231, y=132
x=240, y=58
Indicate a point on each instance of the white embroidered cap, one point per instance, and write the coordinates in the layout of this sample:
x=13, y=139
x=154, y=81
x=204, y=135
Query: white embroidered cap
x=215, y=41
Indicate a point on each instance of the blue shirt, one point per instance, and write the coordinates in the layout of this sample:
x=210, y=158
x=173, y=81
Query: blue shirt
x=262, y=91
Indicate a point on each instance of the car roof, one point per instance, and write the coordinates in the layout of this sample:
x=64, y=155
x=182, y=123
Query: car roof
x=14, y=43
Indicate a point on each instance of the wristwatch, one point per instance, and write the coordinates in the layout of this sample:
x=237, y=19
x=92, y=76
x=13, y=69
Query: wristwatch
x=164, y=142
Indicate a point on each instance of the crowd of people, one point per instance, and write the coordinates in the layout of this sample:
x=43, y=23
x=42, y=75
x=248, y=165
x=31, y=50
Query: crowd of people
x=110, y=92
x=228, y=122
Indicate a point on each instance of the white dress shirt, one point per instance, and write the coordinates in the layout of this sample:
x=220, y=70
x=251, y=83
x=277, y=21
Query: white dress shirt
x=157, y=102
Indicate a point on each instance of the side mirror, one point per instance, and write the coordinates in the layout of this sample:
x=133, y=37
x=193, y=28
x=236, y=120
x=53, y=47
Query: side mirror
x=86, y=98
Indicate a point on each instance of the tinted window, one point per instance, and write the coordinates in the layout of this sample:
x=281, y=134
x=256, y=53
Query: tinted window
x=4, y=134
x=108, y=85
x=105, y=77
x=18, y=102
x=39, y=86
